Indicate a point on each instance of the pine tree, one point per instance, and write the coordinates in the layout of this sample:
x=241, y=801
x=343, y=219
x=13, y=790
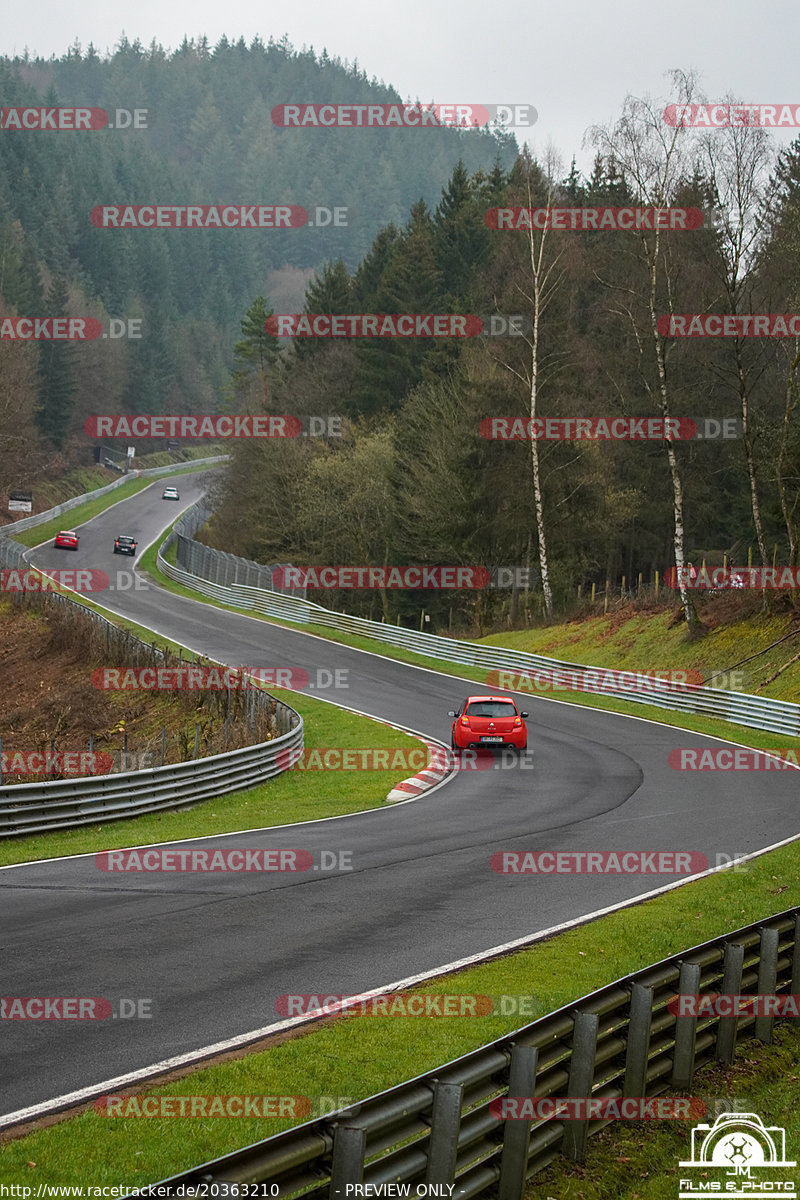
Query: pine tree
x=462, y=238
x=56, y=373
x=258, y=350
x=329, y=292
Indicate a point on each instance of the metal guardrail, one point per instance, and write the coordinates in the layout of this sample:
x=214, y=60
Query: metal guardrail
x=758, y=712
x=620, y=1041
x=69, y=803
x=217, y=566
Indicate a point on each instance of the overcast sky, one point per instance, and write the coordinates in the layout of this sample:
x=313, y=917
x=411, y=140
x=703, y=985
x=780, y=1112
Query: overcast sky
x=574, y=60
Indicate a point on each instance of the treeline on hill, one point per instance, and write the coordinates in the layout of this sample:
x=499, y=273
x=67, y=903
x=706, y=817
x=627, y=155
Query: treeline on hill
x=209, y=139
x=413, y=481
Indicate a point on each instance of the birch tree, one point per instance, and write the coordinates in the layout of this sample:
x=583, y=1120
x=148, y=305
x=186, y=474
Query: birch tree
x=737, y=161
x=540, y=281
x=653, y=160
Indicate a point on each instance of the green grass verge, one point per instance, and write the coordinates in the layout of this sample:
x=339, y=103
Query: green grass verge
x=759, y=739
x=296, y=795
x=354, y=1056
x=654, y=641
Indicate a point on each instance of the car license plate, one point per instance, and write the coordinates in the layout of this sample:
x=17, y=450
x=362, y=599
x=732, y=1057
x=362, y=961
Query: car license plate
x=491, y=739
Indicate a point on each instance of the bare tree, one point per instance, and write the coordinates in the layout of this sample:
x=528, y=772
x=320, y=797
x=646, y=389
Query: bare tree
x=737, y=161
x=542, y=279
x=652, y=157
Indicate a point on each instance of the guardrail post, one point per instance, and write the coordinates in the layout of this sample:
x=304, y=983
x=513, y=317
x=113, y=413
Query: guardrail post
x=685, y=1029
x=731, y=986
x=443, y=1140
x=349, y=1144
x=767, y=979
x=163, y=744
x=794, y=986
x=517, y=1134
x=581, y=1079
x=638, y=1041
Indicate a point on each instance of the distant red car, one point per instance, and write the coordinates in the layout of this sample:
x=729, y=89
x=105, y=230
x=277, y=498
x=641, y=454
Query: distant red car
x=486, y=722
x=66, y=540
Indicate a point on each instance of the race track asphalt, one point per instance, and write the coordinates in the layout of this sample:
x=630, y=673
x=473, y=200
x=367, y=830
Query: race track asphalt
x=214, y=952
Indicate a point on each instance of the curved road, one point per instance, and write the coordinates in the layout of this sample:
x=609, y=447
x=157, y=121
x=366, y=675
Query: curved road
x=213, y=952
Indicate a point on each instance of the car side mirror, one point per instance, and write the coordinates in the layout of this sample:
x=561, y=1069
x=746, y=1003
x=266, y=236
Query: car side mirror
x=523, y=714
x=451, y=713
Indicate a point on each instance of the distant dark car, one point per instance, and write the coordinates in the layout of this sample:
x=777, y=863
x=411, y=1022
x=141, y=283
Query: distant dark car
x=170, y=493
x=66, y=540
x=486, y=721
x=125, y=545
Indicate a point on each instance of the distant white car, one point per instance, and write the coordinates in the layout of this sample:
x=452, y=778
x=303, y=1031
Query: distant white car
x=170, y=493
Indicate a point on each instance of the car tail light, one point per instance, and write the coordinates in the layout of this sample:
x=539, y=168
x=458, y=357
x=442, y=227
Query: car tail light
x=465, y=721
x=517, y=720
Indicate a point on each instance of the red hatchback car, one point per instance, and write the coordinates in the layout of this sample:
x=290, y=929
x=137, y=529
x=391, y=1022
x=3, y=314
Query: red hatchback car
x=66, y=540
x=486, y=722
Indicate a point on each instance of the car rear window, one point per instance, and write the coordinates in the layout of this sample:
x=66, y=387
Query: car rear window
x=492, y=708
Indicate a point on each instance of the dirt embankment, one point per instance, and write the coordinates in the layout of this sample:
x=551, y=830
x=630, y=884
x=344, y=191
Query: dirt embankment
x=47, y=698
